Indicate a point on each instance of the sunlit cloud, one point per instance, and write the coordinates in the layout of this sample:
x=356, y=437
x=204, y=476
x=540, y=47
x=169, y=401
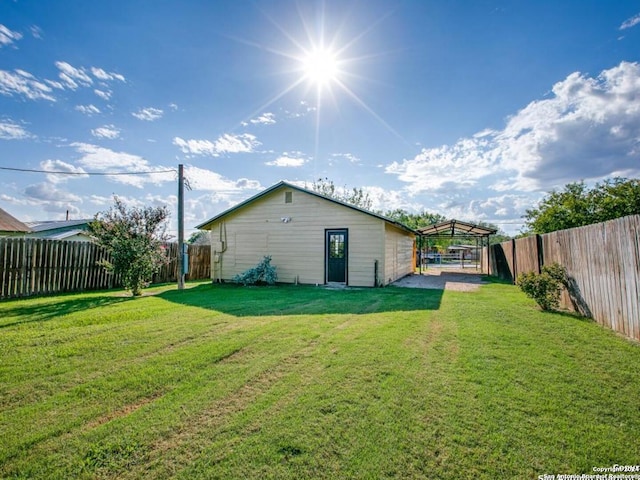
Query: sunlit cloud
x=208, y=180
x=10, y=130
x=36, y=32
x=107, y=131
x=227, y=143
x=67, y=171
x=630, y=22
x=588, y=126
x=264, y=119
x=101, y=74
x=98, y=159
x=148, y=114
x=49, y=192
x=24, y=84
x=72, y=77
x=104, y=94
x=88, y=109
x=293, y=159
x=349, y=157
x=8, y=37
x=384, y=200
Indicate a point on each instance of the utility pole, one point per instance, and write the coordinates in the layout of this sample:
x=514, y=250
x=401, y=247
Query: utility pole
x=181, y=245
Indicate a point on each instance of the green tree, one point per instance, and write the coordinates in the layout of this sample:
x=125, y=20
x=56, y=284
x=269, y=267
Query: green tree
x=414, y=220
x=356, y=196
x=576, y=205
x=133, y=237
x=199, y=238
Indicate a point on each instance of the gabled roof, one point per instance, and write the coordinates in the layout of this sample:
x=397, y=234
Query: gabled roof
x=9, y=223
x=43, y=226
x=456, y=227
x=68, y=234
x=283, y=184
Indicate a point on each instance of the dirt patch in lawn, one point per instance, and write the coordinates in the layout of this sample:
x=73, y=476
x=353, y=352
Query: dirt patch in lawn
x=439, y=279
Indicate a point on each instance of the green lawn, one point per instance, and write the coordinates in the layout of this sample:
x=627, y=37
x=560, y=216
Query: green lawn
x=305, y=382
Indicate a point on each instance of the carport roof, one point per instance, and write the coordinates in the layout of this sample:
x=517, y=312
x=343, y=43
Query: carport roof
x=456, y=228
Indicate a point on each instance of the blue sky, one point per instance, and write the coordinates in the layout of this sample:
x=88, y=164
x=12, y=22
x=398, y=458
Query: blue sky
x=470, y=109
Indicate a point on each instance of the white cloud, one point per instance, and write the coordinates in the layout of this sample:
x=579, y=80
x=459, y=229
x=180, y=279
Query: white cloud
x=437, y=168
x=302, y=111
x=346, y=156
x=588, y=129
x=60, y=166
x=383, y=199
x=264, y=119
x=88, y=109
x=294, y=159
x=104, y=94
x=72, y=77
x=106, y=131
x=227, y=143
x=630, y=22
x=24, y=84
x=48, y=192
x=54, y=84
x=173, y=106
x=99, y=159
x=36, y=31
x=100, y=74
x=148, y=114
x=7, y=37
x=10, y=130
x=203, y=179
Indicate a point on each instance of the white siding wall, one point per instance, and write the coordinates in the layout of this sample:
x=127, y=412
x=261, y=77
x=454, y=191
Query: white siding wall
x=297, y=247
x=399, y=260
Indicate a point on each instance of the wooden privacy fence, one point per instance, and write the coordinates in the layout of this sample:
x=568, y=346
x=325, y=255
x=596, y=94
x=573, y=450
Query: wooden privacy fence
x=199, y=263
x=602, y=263
x=32, y=266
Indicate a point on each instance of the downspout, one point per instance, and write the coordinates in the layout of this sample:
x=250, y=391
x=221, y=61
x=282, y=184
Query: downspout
x=217, y=255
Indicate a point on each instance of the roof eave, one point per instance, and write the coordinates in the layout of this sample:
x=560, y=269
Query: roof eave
x=304, y=190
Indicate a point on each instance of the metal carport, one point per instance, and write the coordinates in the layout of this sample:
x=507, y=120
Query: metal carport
x=458, y=229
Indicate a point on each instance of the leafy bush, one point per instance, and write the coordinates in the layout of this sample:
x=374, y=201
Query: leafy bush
x=133, y=237
x=262, y=273
x=544, y=288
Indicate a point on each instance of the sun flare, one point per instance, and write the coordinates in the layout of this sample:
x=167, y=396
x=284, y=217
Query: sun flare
x=320, y=66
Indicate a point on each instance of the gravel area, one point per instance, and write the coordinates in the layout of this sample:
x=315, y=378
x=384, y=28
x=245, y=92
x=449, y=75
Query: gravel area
x=460, y=281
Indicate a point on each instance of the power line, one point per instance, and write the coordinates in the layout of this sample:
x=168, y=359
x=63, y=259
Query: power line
x=28, y=170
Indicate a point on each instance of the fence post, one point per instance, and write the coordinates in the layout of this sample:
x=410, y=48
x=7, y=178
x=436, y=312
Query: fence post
x=540, y=252
x=514, y=261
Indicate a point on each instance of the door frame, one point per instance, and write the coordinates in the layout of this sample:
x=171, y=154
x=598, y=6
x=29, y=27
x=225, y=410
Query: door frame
x=327, y=233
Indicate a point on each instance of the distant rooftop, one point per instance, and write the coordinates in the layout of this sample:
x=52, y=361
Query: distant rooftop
x=9, y=223
x=56, y=224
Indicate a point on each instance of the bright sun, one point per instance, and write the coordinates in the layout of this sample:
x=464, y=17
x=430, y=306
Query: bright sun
x=320, y=66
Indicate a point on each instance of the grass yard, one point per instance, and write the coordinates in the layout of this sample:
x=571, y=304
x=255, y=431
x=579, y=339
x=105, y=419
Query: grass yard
x=293, y=382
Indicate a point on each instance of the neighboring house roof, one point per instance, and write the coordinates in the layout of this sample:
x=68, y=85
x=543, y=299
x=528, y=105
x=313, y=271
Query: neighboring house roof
x=291, y=186
x=9, y=223
x=44, y=226
x=68, y=234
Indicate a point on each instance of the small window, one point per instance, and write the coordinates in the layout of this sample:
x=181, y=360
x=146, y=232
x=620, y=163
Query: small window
x=288, y=197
